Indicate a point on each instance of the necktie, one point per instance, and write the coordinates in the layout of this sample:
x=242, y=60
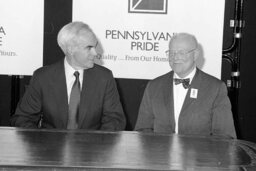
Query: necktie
x=185, y=82
x=74, y=103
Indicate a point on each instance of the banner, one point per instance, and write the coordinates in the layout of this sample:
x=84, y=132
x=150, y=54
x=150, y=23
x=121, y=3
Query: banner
x=134, y=34
x=21, y=36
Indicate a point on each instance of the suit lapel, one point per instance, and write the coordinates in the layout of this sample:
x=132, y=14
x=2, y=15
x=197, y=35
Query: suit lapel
x=168, y=98
x=60, y=90
x=86, y=94
x=195, y=84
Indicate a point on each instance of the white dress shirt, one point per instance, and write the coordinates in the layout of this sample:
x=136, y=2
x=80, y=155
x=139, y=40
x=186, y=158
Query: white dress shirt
x=179, y=94
x=70, y=77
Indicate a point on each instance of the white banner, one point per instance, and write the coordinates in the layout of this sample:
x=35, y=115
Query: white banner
x=134, y=34
x=21, y=36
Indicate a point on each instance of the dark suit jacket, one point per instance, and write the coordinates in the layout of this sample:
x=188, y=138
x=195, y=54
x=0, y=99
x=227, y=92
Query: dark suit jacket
x=208, y=114
x=100, y=106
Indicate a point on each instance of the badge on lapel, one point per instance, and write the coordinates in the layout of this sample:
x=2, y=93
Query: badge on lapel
x=193, y=93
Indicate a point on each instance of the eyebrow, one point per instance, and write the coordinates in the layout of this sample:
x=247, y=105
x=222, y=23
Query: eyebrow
x=96, y=44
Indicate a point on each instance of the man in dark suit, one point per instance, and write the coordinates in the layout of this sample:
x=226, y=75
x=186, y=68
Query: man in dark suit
x=186, y=100
x=74, y=93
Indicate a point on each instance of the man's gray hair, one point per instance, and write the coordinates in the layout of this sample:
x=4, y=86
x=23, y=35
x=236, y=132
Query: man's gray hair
x=186, y=36
x=69, y=34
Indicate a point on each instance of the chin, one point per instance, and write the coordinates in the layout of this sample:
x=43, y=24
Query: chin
x=177, y=69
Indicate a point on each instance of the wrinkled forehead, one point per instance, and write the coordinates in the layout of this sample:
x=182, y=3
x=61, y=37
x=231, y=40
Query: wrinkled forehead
x=183, y=42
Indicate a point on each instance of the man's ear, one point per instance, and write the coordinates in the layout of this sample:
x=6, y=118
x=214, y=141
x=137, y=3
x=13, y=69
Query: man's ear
x=196, y=54
x=69, y=51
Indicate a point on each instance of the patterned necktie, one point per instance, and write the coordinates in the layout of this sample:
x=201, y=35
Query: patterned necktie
x=185, y=82
x=74, y=103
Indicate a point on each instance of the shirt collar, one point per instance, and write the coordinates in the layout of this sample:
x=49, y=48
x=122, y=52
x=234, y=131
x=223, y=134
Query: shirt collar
x=69, y=70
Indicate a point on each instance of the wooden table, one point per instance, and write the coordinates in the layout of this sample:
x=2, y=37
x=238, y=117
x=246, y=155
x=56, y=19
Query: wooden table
x=28, y=149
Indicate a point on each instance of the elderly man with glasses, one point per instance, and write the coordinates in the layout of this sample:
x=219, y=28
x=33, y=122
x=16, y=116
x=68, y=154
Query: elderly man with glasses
x=186, y=100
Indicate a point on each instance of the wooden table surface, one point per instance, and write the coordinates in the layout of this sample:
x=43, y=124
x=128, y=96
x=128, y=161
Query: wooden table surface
x=31, y=149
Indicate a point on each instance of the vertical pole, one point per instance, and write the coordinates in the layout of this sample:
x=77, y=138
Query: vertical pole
x=233, y=54
x=15, y=92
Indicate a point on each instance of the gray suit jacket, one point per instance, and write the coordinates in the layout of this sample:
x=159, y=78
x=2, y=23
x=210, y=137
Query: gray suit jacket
x=208, y=114
x=100, y=107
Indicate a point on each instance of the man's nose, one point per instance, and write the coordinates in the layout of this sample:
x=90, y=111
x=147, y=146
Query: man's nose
x=177, y=56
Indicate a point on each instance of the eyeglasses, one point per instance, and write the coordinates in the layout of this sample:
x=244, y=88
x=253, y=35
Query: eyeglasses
x=171, y=53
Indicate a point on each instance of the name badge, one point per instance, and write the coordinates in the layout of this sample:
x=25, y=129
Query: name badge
x=193, y=93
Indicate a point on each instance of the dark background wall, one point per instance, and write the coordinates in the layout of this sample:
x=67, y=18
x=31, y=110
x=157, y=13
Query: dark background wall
x=59, y=13
x=247, y=94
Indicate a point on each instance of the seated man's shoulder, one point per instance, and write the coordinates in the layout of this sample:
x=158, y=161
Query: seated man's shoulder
x=208, y=81
x=160, y=81
x=161, y=78
x=209, y=78
x=48, y=69
x=101, y=70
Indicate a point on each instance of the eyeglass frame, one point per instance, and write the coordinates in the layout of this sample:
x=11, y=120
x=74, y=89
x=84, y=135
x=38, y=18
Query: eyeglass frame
x=167, y=52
